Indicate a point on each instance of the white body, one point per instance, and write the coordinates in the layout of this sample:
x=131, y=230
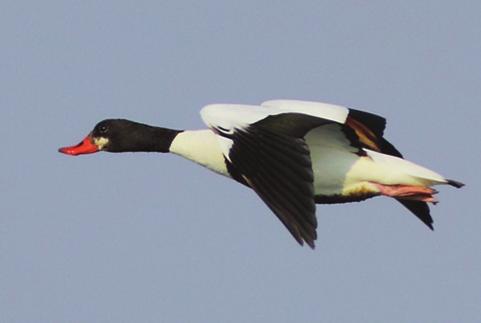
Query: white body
x=337, y=168
x=202, y=147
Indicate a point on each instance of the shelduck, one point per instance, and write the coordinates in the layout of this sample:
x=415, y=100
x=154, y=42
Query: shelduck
x=293, y=154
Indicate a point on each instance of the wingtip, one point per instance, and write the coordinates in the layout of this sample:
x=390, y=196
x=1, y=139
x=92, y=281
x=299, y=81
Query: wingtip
x=311, y=244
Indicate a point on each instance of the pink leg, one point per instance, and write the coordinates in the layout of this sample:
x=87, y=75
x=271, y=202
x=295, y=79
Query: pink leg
x=408, y=192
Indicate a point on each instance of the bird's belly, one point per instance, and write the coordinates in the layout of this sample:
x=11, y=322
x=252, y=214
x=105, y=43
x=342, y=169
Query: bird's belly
x=335, y=174
x=346, y=175
x=333, y=161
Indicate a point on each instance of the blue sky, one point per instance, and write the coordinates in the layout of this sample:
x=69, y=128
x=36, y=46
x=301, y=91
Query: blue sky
x=154, y=238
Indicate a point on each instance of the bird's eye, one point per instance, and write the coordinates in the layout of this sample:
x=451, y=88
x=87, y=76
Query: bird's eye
x=103, y=129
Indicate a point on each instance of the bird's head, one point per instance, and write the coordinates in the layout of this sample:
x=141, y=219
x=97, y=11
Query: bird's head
x=121, y=135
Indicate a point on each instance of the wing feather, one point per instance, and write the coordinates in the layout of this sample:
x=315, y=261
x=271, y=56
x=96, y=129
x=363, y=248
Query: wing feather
x=274, y=175
x=265, y=146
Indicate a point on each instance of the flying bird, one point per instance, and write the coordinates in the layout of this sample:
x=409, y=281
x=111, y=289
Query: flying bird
x=293, y=154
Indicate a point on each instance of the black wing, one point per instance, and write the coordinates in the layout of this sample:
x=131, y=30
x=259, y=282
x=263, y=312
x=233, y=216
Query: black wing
x=274, y=160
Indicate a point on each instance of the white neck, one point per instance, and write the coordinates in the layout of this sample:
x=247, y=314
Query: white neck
x=202, y=147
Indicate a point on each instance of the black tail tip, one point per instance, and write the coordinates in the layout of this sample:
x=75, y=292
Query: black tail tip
x=455, y=183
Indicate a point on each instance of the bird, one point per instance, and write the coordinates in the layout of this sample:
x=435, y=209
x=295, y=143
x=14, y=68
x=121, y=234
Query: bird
x=294, y=154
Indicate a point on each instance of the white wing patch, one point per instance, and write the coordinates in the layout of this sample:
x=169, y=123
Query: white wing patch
x=228, y=117
x=326, y=111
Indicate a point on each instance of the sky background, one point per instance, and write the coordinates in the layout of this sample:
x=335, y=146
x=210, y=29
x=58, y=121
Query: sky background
x=154, y=238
